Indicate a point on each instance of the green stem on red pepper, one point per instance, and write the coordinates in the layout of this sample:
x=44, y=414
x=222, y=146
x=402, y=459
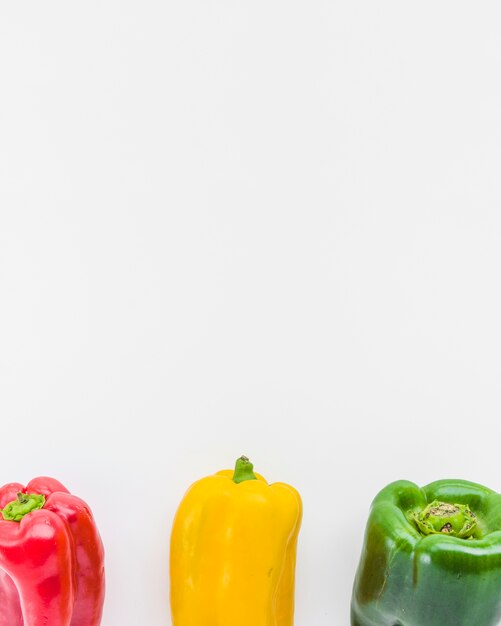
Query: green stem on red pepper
x=25, y=503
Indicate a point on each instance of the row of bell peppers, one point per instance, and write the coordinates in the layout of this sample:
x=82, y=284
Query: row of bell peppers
x=431, y=556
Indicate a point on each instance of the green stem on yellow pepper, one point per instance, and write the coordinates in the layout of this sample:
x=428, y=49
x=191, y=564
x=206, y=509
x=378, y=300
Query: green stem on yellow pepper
x=243, y=470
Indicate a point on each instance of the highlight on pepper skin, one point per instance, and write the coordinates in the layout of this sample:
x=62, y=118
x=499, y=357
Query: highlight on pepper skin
x=233, y=551
x=51, y=557
x=431, y=556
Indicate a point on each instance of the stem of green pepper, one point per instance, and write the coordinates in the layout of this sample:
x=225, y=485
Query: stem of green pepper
x=243, y=470
x=455, y=520
x=25, y=503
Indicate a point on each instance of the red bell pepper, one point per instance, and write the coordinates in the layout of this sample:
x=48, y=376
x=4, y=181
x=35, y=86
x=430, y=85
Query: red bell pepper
x=51, y=557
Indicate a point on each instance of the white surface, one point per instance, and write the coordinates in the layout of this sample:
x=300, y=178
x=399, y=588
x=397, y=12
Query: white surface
x=260, y=227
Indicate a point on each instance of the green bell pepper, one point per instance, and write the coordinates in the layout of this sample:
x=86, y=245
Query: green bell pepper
x=431, y=557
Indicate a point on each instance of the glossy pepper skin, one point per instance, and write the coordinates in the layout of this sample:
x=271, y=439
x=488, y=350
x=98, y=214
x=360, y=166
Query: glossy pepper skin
x=51, y=559
x=428, y=560
x=233, y=551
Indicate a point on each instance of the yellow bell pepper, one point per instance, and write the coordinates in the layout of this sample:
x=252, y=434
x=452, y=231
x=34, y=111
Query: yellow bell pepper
x=233, y=551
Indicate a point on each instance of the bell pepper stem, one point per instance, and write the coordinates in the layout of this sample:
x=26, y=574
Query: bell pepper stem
x=25, y=503
x=243, y=470
x=438, y=517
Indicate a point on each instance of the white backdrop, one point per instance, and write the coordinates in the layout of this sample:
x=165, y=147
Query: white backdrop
x=267, y=227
